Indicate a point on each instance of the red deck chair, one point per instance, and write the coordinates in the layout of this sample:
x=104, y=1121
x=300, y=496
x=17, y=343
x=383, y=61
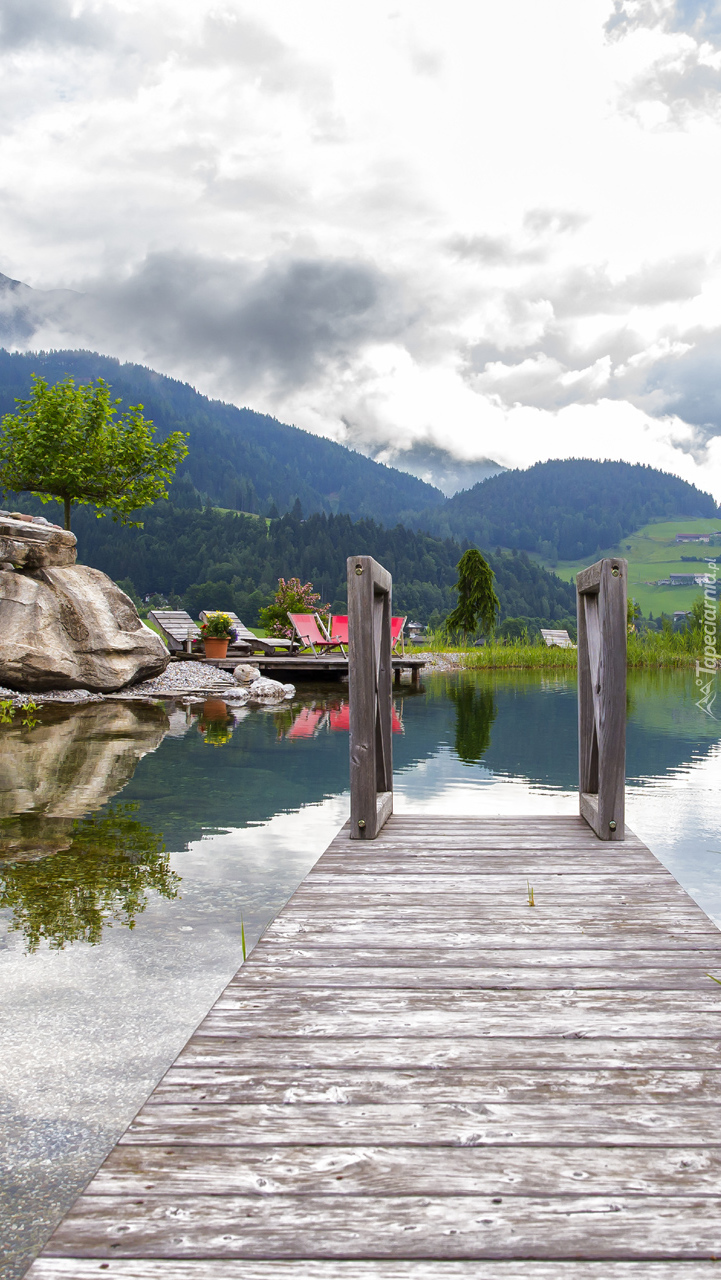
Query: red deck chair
x=339, y=628
x=305, y=723
x=310, y=634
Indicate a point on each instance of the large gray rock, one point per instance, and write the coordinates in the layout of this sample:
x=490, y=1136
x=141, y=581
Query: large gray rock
x=34, y=544
x=72, y=628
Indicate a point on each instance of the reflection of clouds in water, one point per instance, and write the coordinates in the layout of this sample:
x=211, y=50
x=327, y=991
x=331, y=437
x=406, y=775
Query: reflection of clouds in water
x=443, y=785
x=679, y=817
x=293, y=841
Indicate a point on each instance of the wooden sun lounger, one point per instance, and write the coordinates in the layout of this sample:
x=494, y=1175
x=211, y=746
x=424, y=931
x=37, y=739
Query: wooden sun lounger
x=561, y=639
x=175, y=626
x=246, y=641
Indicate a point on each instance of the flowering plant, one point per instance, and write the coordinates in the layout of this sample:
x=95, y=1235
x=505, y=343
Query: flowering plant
x=217, y=626
x=292, y=596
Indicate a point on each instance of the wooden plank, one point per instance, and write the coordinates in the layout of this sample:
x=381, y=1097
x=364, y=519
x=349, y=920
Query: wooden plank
x=377, y=1226
x=462, y=1052
x=641, y=887
x=370, y=1170
x=267, y=952
x=389, y=973
x=189, y=1085
x=494, y=862
x=664, y=899
x=236, y=999
x=433, y=1022
x=426, y=1124
x=547, y=915
x=528, y=930
x=384, y=1269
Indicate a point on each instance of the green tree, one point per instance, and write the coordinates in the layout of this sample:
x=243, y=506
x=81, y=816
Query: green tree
x=67, y=442
x=477, y=600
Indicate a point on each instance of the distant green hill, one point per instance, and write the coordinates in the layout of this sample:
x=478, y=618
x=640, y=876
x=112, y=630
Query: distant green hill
x=653, y=555
x=237, y=458
x=210, y=560
x=566, y=509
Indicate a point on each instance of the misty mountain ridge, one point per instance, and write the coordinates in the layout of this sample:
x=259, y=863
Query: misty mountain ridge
x=242, y=460
x=439, y=466
x=238, y=459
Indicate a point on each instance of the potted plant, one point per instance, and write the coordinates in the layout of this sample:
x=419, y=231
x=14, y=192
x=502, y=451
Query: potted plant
x=217, y=633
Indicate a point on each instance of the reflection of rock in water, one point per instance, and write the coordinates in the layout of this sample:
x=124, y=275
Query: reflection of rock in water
x=73, y=762
x=101, y=876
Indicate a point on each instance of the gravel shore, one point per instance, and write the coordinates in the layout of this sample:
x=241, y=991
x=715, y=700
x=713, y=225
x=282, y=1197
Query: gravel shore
x=179, y=678
x=183, y=679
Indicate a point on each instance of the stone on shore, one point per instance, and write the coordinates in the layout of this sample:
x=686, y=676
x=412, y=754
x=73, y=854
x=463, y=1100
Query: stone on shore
x=265, y=690
x=245, y=673
x=71, y=627
x=31, y=543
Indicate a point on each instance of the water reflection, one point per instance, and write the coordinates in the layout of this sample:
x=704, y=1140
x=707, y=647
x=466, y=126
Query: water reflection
x=72, y=763
x=332, y=715
x=63, y=875
x=475, y=712
x=102, y=876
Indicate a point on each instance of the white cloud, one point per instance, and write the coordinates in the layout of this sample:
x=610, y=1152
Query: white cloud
x=493, y=233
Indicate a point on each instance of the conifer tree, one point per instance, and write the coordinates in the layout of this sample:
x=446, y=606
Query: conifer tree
x=477, y=600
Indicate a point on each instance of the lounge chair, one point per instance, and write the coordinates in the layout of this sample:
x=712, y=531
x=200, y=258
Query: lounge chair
x=311, y=635
x=560, y=639
x=339, y=628
x=245, y=641
x=176, y=627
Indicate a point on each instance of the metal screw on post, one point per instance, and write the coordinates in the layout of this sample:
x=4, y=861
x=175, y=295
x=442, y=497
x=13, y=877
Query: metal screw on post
x=612, y=825
x=359, y=569
x=361, y=824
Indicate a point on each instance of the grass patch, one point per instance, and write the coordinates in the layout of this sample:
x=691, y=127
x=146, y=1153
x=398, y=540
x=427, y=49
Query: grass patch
x=652, y=651
x=652, y=553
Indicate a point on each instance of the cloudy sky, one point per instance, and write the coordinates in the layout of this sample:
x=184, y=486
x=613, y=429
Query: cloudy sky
x=491, y=228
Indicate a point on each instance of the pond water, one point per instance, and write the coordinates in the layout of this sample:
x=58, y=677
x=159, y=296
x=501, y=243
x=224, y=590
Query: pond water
x=140, y=843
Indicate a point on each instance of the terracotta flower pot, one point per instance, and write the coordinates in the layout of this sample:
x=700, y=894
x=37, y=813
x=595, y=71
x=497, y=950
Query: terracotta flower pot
x=216, y=648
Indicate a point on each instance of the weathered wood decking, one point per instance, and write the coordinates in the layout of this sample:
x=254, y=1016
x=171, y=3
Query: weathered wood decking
x=417, y=1074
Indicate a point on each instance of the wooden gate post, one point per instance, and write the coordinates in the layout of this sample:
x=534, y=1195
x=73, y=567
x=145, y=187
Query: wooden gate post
x=602, y=635
x=370, y=696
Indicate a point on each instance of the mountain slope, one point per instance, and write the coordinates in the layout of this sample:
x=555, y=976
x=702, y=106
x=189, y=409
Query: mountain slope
x=565, y=509
x=237, y=458
x=212, y=560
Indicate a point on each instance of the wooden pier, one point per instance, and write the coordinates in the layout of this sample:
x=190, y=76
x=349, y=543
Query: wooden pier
x=466, y=1049
x=417, y=1074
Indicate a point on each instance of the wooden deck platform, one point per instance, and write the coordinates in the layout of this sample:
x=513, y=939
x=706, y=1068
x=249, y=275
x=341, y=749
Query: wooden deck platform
x=302, y=664
x=418, y=1075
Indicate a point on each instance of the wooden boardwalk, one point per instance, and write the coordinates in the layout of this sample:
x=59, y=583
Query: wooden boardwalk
x=418, y=1075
